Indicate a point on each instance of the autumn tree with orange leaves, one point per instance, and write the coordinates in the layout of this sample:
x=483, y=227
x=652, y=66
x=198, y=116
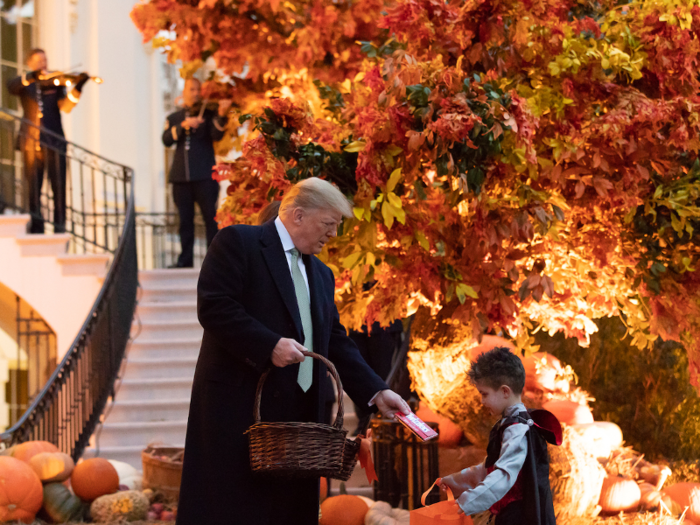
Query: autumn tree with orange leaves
x=513, y=164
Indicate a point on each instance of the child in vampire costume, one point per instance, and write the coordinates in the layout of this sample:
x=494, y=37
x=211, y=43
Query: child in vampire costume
x=513, y=481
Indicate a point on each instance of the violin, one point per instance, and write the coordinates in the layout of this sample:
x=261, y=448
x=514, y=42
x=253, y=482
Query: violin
x=59, y=78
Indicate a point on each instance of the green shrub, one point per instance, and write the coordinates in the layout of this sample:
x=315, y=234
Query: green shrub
x=647, y=393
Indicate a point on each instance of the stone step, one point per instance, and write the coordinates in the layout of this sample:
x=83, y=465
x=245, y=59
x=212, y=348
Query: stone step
x=160, y=279
x=173, y=294
x=139, y=433
x=159, y=368
x=144, y=348
x=84, y=264
x=172, y=311
x=153, y=330
x=14, y=225
x=166, y=410
x=129, y=454
x=39, y=245
x=155, y=389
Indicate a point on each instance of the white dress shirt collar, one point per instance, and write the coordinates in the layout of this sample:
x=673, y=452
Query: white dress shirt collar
x=287, y=242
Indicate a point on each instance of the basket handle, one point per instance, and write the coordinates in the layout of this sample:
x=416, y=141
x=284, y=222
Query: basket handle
x=338, y=423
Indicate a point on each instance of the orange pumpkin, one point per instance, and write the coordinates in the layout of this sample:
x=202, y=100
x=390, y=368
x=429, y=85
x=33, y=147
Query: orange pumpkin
x=569, y=412
x=324, y=489
x=686, y=495
x=93, y=478
x=52, y=466
x=489, y=342
x=449, y=434
x=694, y=509
x=619, y=495
x=21, y=492
x=26, y=451
x=343, y=510
x=542, y=371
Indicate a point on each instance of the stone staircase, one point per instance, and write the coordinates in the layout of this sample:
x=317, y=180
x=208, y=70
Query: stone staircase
x=153, y=395
x=59, y=286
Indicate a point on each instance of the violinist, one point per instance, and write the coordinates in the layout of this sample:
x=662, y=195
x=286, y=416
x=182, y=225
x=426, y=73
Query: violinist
x=42, y=102
x=193, y=130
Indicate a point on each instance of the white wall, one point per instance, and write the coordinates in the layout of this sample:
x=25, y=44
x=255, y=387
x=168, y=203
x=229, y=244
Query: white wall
x=121, y=119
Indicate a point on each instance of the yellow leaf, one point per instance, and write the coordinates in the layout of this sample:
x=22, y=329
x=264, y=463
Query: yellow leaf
x=393, y=179
x=423, y=240
x=394, y=200
x=351, y=260
x=387, y=215
x=358, y=212
x=356, y=146
x=371, y=259
x=466, y=290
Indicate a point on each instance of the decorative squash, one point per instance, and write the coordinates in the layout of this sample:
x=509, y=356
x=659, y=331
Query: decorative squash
x=52, y=466
x=569, y=412
x=94, y=478
x=670, y=506
x=449, y=434
x=619, y=495
x=602, y=437
x=60, y=504
x=20, y=491
x=128, y=475
x=343, y=510
x=130, y=505
x=381, y=513
x=26, y=451
x=650, y=497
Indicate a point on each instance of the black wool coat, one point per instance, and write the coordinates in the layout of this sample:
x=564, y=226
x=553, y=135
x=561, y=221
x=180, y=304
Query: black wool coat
x=246, y=303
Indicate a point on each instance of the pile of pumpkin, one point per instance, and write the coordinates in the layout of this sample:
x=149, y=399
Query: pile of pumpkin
x=345, y=509
x=37, y=479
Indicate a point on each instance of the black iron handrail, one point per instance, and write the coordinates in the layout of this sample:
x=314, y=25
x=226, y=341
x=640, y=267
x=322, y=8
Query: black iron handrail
x=68, y=408
x=96, y=188
x=158, y=240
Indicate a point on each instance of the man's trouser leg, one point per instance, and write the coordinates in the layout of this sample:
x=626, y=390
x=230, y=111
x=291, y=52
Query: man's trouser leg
x=206, y=193
x=184, y=200
x=33, y=180
x=56, y=166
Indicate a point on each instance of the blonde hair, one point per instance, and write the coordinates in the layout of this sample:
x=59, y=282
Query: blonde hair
x=315, y=194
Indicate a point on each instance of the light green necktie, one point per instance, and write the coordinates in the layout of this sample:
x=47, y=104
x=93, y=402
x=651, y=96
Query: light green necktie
x=306, y=367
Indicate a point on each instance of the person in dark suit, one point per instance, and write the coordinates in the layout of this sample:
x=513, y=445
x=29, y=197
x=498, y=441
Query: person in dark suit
x=42, y=103
x=194, y=132
x=262, y=297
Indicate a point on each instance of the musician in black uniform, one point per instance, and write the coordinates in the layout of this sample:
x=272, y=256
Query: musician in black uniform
x=194, y=130
x=42, y=102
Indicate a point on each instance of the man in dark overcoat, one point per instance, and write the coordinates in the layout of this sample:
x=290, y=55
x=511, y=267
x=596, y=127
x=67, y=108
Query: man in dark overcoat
x=193, y=131
x=261, y=294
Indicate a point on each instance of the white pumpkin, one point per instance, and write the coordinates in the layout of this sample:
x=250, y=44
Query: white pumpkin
x=128, y=475
x=602, y=437
x=381, y=513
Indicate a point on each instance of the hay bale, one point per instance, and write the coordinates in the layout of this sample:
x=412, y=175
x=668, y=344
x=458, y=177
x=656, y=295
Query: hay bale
x=575, y=476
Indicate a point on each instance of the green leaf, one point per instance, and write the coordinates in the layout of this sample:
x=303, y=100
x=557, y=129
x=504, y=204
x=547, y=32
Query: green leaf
x=463, y=291
x=393, y=179
x=356, y=146
x=394, y=150
x=420, y=192
x=244, y=118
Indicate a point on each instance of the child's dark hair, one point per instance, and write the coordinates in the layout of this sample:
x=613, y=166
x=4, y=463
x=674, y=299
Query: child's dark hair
x=497, y=367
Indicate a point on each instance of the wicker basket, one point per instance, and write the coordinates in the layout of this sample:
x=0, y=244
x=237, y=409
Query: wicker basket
x=162, y=475
x=352, y=447
x=297, y=450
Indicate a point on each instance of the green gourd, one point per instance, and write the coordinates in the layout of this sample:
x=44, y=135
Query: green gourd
x=60, y=504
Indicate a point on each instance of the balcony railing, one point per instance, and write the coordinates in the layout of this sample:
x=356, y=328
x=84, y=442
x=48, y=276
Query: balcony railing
x=158, y=240
x=100, y=218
